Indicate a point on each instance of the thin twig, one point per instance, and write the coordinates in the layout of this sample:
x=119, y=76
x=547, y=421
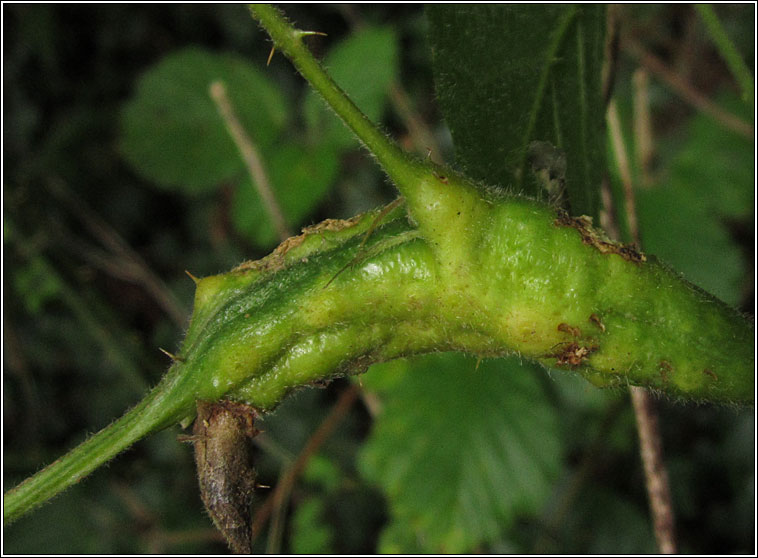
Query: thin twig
x=611, y=51
x=147, y=524
x=322, y=433
x=278, y=511
x=685, y=90
x=14, y=357
x=117, y=353
x=124, y=262
x=422, y=137
x=643, y=128
x=656, y=476
x=608, y=217
x=251, y=157
x=625, y=171
x=138, y=510
x=651, y=447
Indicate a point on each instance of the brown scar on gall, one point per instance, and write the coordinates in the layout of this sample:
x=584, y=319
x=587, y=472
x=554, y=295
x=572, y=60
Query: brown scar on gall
x=573, y=354
x=275, y=261
x=595, y=238
x=595, y=319
x=442, y=178
x=711, y=374
x=664, y=367
x=321, y=383
x=571, y=330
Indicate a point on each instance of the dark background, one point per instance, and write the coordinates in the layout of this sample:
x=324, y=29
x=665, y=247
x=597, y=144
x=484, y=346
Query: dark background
x=81, y=335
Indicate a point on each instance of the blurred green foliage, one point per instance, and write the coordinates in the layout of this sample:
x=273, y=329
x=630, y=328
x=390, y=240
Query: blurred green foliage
x=460, y=473
x=685, y=220
x=172, y=119
x=108, y=105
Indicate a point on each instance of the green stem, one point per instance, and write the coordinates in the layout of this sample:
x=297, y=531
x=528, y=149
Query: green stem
x=474, y=237
x=728, y=51
x=290, y=42
x=158, y=409
x=430, y=192
x=188, y=380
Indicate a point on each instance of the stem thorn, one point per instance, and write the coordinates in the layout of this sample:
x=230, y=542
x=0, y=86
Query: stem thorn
x=271, y=55
x=172, y=356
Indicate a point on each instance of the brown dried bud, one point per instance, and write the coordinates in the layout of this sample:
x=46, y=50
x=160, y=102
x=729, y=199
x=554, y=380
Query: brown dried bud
x=223, y=455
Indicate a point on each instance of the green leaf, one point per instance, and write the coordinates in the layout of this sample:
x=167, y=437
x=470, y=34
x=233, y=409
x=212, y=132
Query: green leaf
x=172, y=133
x=322, y=471
x=310, y=534
x=300, y=178
x=684, y=219
x=714, y=159
x=397, y=538
x=537, y=76
x=605, y=522
x=460, y=452
x=35, y=285
x=364, y=65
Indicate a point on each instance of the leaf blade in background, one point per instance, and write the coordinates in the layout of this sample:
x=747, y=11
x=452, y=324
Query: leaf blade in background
x=684, y=219
x=310, y=534
x=172, y=133
x=460, y=451
x=517, y=102
x=364, y=65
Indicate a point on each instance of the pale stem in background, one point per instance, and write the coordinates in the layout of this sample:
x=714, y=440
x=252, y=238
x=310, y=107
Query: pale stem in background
x=625, y=171
x=656, y=476
x=121, y=261
x=251, y=157
x=422, y=137
x=276, y=502
x=651, y=447
x=686, y=91
x=643, y=127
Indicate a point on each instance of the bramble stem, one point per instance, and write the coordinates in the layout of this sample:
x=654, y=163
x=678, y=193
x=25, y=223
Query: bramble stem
x=290, y=42
x=468, y=270
x=431, y=192
x=158, y=409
